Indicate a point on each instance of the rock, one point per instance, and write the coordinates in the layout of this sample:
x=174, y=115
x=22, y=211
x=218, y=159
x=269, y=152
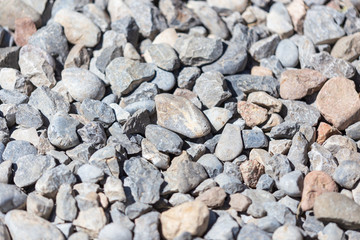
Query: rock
x=321, y=159
x=91, y=227
x=144, y=179
x=261, y=71
x=9, y=57
x=12, y=97
x=292, y=183
x=94, y=110
x=218, y=117
x=192, y=217
x=254, y=138
x=24, y=28
x=326, y=30
x=281, y=146
x=12, y=79
x=48, y=102
x=287, y=53
x=225, y=227
x=180, y=198
x=146, y=226
x=279, y=21
x=163, y=139
x=352, y=131
x=232, y=61
x=164, y=80
x=207, y=50
x=346, y=174
x=265, y=182
x=277, y=166
x=187, y=77
x=150, y=152
x=251, y=171
x=137, y=209
x=25, y=225
x=51, y=39
x=339, y=88
x=337, y=208
x=211, y=164
x=30, y=168
x=298, y=152
x=211, y=90
x=11, y=198
x=287, y=232
x=90, y=173
x=127, y=25
x=65, y=203
x=124, y=74
x=239, y=202
x=265, y=100
x=229, y=183
x=97, y=16
x=14, y=150
x=28, y=116
x=113, y=189
x=325, y=131
x=265, y=47
x=296, y=84
x=347, y=48
x=213, y=197
x=39, y=205
x=78, y=28
x=163, y=55
x=180, y=115
x=336, y=142
x=251, y=231
x=226, y=151
x=331, y=231
x=300, y=113
x=37, y=65
x=49, y=183
x=78, y=57
x=331, y=67
x=297, y=12
x=252, y=114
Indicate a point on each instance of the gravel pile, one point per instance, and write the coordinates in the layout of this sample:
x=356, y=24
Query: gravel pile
x=171, y=119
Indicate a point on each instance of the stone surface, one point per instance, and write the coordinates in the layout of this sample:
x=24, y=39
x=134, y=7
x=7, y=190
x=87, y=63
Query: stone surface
x=251, y=171
x=347, y=174
x=279, y=21
x=213, y=197
x=254, y=138
x=218, y=117
x=230, y=144
x=11, y=198
x=300, y=113
x=292, y=183
x=163, y=56
x=181, y=116
x=347, y=48
x=265, y=47
x=252, y=113
x=265, y=100
x=349, y=106
x=24, y=28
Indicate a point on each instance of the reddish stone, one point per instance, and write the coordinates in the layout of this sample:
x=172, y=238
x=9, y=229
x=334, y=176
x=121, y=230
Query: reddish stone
x=24, y=28
x=325, y=131
x=252, y=114
x=251, y=171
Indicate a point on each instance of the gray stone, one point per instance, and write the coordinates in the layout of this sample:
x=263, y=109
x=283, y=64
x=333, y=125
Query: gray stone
x=137, y=209
x=115, y=231
x=230, y=144
x=5, y=171
x=127, y=25
x=94, y=133
x=163, y=56
x=331, y=67
x=12, y=79
x=211, y=164
x=331, y=232
x=306, y=49
x=198, y=51
x=337, y=208
x=218, y=117
x=148, y=105
x=292, y=183
x=81, y=153
x=106, y=56
x=233, y=60
x=268, y=224
x=12, y=97
x=94, y=110
x=9, y=57
x=137, y=122
x=211, y=89
x=180, y=198
x=205, y=185
x=146, y=227
x=300, y=112
x=82, y=84
x=52, y=40
x=28, y=116
x=282, y=214
x=250, y=231
x=291, y=203
x=279, y=21
x=149, y=152
x=352, y=235
x=48, y=102
x=23, y=225
x=265, y=182
x=274, y=64
x=144, y=180
x=62, y=131
x=65, y=203
x=321, y=28
x=254, y=138
x=164, y=140
x=39, y=205
x=14, y=150
x=225, y=227
x=107, y=159
x=298, y=150
x=89, y=173
x=164, y=80
x=264, y=48
x=229, y=183
x=311, y=225
x=187, y=77
x=146, y=91
x=287, y=53
x=284, y=130
x=347, y=174
x=97, y=16
x=277, y=166
x=321, y=159
x=11, y=198
x=30, y=168
x=49, y=183
x=353, y=131
x=125, y=75
x=181, y=116
x=79, y=236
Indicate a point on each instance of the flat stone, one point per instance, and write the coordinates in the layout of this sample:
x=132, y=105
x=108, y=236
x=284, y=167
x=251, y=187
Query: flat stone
x=94, y=110
x=326, y=30
x=211, y=164
x=125, y=75
x=226, y=151
x=163, y=55
x=347, y=174
x=82, y=30
x=265, y=47
x=252, y=114
x=181, y=116
x=12, y=97
x=185, y=46
x=22, y=224
x=337, y=208
x=331, y=67
x=279, y=21
x=211, y=89
x=296, y=84
x=192, y=217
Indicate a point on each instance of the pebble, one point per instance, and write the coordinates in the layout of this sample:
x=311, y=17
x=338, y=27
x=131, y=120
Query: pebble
x=292, y=183
x=164, y=80
x=265, y=47
x=211, y=164
x=163, y=56
x=298, y=151
x=337, y=208
x=321, y=159
x=331, y=231
x=91, y=227
x=65, y=203
x=99, y=17
x=251, y=231
x=94, y=110
x=251, y=171
x=346, y=174
x=146, y=226
x=254, y=138
x=150, y=153
x=192, y=217
x=213, y=197
x=229, y=183
x=39, y=205
x=226, y=151
x=287, y=232
x=347, y=48
x=252, y=114
x=300, y=113
x=25, y=225
x=218, y=117
x=279, y=21
x=225, y=227
x=11, y=198
x=277, y=166
x=14, y=150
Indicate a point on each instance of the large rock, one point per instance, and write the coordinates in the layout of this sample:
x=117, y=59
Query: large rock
x=180, y=115
x=337, y=208
x=23, y=225
x=192, y=217
x=339, y=102
x=78, y=28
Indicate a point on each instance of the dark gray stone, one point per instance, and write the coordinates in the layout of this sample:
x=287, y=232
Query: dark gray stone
x=254, y=138
x=284, y=130
x=148, y=105
x=146, y=91
x=300, y=112
x=137, y=122
x=127, y=25
x=93, y=133
x=353, y=131
x=265, y=182
x=94, y=110
x=163, y=56
x=282, y=214
x=164, y=140
x=229, y=183
x=187, y=77
x=9, y=57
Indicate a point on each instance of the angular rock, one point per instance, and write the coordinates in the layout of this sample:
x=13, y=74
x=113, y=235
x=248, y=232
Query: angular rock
x=252, y=114
x=28, y=116
x=300, y=113
x=14, y=150
x=91, y=227
x=298, y=150
x=115, y=231
x=347, y=48
x=265, y=47
x=24, y=28
x=39, y=205
x=252, y=231
x=254, y=138
x=251, y=171
x=213, y=197
x=279, y=21
x=65, y=203
x=321, y=159
x=277, y=166
x=265, y=100
x=94, y=110
x=163, y=55
x=11, y=198
x=347, y=174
